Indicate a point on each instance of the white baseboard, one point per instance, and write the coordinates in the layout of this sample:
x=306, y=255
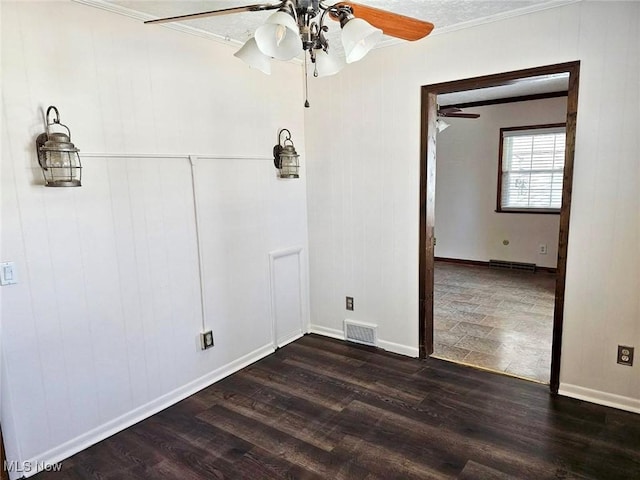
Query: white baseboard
x=601, y=398
x=116, y=425
x=389, y=346
x=327, y=332
x=399, y=348
x=292, y=337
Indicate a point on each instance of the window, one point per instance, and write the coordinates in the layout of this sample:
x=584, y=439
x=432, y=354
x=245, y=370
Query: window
x=531, y=169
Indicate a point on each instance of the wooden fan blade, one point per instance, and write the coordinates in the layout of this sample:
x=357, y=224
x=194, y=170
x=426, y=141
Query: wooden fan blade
x=447, y=110
x=392, y=24
x=461, y=115
x=215, y=13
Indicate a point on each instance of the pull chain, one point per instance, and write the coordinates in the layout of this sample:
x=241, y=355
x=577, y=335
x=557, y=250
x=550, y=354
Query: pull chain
x=306, y=83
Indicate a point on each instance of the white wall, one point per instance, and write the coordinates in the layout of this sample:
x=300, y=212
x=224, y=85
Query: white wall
x=363, y=182
x=101, y=329
x=467, y=225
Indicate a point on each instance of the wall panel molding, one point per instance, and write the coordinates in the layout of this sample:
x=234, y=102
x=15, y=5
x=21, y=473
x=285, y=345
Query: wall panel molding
x=116, y=425
x=282, y=338
x=177, y=156
x=103, y=326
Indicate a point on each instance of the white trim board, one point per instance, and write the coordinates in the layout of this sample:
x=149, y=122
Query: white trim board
x=383, y=344
x=387, y=42
x=601, y=398
x=291, y=339
x=177, y=156
x=399, y=348
x=116, y=425
x=137, y=15
x=538, y=7
x=273, y=256
x=178, y=26
x=326, y=332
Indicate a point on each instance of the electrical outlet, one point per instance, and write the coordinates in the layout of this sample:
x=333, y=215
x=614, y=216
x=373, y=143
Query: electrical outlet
x=625, y=355
x=206, y=340
x=349, y=303
x=543, y=249
x=8, y=274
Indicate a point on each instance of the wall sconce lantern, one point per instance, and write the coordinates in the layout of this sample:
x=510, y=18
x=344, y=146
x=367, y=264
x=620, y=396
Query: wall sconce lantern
x=285, y=157
x=57, y=156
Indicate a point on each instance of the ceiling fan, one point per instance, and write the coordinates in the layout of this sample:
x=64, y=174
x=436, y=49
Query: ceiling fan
x=455, y=112
x=299, y=26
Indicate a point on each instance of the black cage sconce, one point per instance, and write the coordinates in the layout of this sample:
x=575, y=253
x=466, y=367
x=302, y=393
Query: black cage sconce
x=57, y=156
x=285, y=157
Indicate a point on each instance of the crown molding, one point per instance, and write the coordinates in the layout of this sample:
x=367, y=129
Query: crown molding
x=136, y=15
x=179, y=27
x=387, y=42
x=504, y=16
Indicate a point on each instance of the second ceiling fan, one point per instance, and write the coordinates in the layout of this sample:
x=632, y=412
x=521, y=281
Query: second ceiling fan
x=300, y=26
x=455, y=112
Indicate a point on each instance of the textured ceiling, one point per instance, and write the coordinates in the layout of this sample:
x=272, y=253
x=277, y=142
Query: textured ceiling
x=444, y=14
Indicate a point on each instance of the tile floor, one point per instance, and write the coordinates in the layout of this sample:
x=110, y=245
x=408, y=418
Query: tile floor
x=497, y=319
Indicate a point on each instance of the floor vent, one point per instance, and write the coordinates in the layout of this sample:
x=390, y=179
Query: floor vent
x=359, y=332
x=505, y=265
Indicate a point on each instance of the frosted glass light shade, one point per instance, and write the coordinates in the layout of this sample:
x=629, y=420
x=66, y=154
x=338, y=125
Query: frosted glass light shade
x=279, y=37
x=442, y=125
x=358, y=37
x=252, y=56
x=328, y=63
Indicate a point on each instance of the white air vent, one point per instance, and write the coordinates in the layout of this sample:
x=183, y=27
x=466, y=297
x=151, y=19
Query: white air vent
x=360, y=332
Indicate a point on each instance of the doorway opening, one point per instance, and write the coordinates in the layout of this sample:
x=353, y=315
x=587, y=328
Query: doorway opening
x=430, y=123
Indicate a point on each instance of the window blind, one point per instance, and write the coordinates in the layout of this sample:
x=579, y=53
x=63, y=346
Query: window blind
x=532, y=169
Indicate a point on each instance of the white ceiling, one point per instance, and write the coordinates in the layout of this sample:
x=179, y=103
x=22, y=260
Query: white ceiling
x=527, y=86
x=446, y=15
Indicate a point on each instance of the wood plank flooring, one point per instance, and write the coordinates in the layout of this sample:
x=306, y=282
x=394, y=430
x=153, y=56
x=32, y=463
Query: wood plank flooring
x=496, y=319
x=323, y=409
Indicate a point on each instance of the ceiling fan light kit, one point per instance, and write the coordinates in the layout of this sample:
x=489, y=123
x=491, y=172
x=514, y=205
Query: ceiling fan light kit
x=299, y=26
x=358, y=37
x=279, y=37
x=328, y=64
x=252, y=56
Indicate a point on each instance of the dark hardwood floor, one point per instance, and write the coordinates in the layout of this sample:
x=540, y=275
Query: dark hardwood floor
x=323, y=409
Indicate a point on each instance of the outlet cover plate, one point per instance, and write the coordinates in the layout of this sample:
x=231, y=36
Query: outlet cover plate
x=8, y=274
x=625, y=355
x=206, y=340
x=349, y=303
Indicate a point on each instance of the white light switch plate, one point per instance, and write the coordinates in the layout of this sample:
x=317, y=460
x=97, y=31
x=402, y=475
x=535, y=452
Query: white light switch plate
x=7, y=273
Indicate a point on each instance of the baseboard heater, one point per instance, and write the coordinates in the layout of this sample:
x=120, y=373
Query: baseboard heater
x=506, y=265
x=360, y=332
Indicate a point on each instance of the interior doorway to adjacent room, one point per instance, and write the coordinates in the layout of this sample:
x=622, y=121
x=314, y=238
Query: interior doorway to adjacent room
x=483, y=312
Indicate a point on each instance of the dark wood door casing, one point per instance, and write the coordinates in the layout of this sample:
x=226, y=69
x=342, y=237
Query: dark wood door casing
x=428, y=130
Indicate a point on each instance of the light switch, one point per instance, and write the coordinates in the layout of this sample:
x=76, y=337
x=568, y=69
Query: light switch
x=7, y=273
